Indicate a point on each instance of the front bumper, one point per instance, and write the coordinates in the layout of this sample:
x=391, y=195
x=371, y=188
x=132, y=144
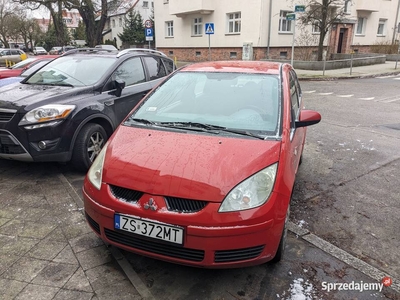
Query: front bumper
x=219, y=246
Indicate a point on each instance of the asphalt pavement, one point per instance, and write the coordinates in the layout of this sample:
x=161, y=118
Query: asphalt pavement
x=47, y=251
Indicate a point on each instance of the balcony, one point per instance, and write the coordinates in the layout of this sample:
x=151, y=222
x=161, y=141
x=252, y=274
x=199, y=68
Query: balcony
x=367, y=5
x=181, y=8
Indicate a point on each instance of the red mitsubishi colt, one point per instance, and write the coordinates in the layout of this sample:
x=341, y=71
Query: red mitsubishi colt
x=201, y=172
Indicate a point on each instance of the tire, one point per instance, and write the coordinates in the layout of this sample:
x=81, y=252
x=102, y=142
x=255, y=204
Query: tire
x=88, y=144
x=282, y=243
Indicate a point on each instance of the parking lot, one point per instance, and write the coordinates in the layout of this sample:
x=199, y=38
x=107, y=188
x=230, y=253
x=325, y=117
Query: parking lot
x=344, y=219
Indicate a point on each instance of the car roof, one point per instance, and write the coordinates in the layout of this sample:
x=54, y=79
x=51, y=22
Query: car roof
x=113, y=53
x=255, y=67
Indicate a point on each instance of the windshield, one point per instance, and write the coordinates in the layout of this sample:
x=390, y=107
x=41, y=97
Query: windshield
x=23, y=63
x=236, y=101
x=72, y=71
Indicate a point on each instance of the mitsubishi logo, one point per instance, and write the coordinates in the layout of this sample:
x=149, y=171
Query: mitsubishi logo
x=151, y=204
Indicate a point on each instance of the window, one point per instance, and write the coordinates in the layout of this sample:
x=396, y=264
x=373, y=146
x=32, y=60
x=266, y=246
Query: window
x=284, y=25
x=381, y=27
x=315, y=27
x=120, y=22
x=234, y=22
x=360, y=25
x=197, y=26
x=294, y=96
x=233, y=55
x=155, y=67
x=166, y=1
x=347, y=7
x=198, y=53
x=169, y=29
x=171, y=52
x=113, y=23
x=145, y=4
x=169, y=65
x=131, y=71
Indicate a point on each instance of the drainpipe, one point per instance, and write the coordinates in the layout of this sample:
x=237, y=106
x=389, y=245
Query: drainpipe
x=395, y=24
x=269, y=26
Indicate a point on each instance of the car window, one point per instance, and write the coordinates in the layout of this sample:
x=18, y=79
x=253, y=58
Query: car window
x=34, y=67
x=294, y=97
x=72, y=70
x=233, y=100
x=169, y=65
x=5, y=52
x=23, y=63
x=155, y=67
x=131, y=71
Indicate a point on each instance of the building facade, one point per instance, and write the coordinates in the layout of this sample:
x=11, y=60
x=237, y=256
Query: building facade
x=116, y=17
x=260, y=29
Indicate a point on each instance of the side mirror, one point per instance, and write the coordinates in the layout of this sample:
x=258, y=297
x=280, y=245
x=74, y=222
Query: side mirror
x=307, y=118
x=119, y=86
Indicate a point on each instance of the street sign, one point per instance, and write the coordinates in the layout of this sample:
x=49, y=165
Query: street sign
x=149, y=32
x=291, y=17
x=299, y=8
x=209, y=28
x=148, y=24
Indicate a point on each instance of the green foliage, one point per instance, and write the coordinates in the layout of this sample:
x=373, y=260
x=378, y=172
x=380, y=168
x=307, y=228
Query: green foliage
x=133, y=31
x=50, y=39
x=80, y=32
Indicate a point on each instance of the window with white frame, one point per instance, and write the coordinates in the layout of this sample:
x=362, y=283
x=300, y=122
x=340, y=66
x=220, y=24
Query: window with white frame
x=347, y=7
x=120, y=22
x=316, y=27
x=361, y=25
x=381, y=27
x=285, y=25
x=113, y=23
x=197, y=26
x=145, y=4
x=234, y=22
x=169, y=29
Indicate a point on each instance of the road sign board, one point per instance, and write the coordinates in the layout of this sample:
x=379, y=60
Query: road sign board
x=290, y=17
x=209, y=28
x=149, y=32
x=299, y=8
x=148, y=24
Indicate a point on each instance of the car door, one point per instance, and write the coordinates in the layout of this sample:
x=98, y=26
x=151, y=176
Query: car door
x=297, y=135
x=130, y=71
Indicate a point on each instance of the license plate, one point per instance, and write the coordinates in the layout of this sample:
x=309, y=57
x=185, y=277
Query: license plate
x=152, y=229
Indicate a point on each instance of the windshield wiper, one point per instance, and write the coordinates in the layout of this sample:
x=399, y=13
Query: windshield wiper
x=243, y=132
x=144, y=121
x=191, y=125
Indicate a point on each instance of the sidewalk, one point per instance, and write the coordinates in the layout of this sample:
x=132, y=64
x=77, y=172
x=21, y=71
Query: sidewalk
x=386, y=69
x=47, y=251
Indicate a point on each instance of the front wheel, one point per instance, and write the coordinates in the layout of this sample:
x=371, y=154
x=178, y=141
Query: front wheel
x=88, y=145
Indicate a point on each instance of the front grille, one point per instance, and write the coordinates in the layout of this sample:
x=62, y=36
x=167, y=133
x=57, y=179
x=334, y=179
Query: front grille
x=125, y=194
x=93, y=223
x=9, y=145
x=184, y=205
x=238, y=254
x=154, y=247
x=6, y=116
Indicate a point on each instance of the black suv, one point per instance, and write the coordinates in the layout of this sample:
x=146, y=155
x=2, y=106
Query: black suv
x=68, y=109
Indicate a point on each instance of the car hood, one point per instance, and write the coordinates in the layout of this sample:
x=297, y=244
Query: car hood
x=184, y=164
x=26, y=95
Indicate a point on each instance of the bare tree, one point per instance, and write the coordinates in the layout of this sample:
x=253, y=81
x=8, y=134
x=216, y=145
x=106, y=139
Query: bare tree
x=322, y=14
x=8, y=13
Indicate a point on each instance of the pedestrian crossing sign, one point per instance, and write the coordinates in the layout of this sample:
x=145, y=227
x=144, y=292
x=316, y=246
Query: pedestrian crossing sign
x=209, y=28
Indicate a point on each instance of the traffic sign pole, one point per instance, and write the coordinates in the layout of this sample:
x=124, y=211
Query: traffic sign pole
x=209, y=30
x=209, y=47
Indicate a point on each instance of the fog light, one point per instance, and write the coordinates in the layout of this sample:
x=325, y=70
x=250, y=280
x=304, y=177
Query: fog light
x=42, y=145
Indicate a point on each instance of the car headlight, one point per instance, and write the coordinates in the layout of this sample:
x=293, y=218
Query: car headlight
x=252, y=192
x=46, y=113
x=95, y=173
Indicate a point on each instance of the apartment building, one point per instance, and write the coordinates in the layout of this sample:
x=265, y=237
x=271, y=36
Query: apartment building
x=259, y=29
x=116, y=17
